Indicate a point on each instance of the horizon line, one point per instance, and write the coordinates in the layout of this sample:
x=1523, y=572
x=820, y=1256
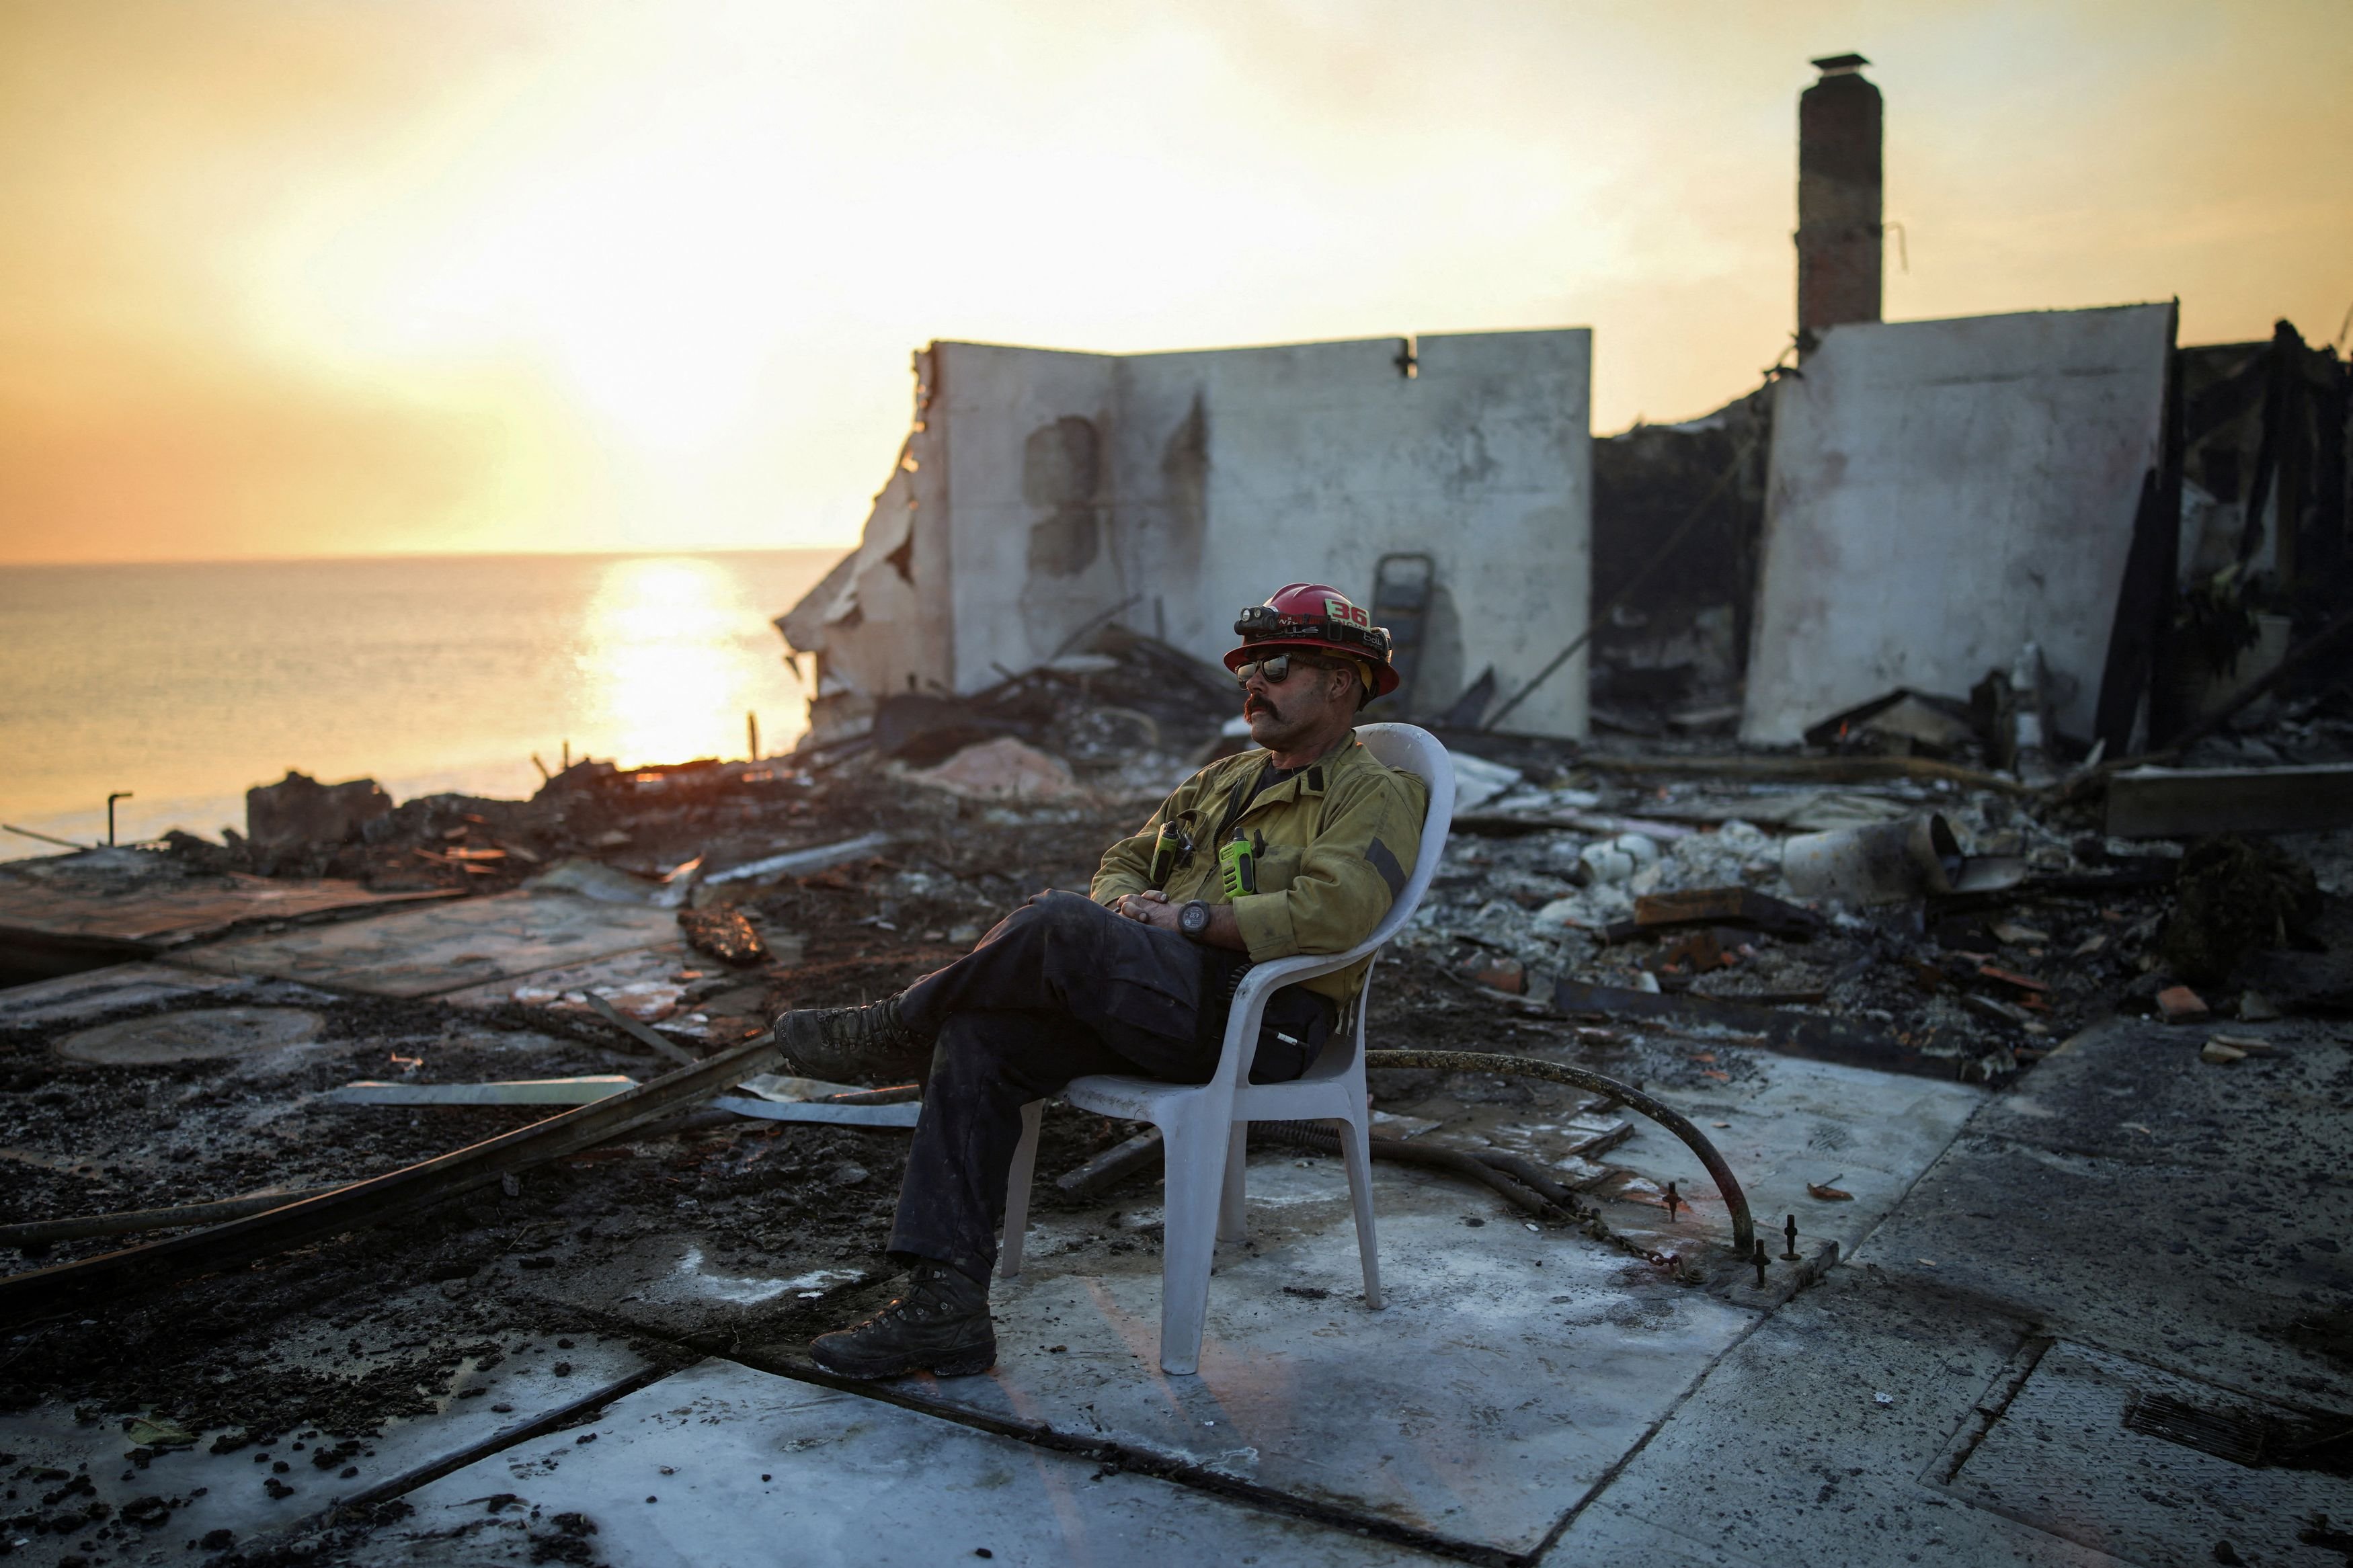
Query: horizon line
x=426, y=555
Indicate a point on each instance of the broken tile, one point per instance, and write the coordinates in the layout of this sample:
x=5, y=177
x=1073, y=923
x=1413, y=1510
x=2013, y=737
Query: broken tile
x=2181, y=1005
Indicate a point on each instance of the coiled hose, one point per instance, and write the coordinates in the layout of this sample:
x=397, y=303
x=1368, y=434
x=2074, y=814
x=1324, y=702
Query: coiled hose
x=1736, y=1202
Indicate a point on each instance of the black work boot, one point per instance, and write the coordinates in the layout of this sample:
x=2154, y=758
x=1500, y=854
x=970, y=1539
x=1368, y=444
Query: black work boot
x=939, y=1323
x=838, y=1043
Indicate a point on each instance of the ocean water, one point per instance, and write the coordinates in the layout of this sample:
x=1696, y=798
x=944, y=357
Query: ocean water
x=187, y=684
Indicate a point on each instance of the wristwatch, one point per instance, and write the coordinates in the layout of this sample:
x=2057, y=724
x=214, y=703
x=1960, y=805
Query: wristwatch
x=1193, y=919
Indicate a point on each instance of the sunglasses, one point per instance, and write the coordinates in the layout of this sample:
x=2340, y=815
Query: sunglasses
x=1276, y=671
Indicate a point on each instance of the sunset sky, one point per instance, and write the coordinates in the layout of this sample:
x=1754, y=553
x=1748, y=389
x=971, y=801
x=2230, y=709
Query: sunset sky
x=330, y=277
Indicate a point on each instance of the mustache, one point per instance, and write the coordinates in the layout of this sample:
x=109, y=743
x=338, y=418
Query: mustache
x=1256, y=704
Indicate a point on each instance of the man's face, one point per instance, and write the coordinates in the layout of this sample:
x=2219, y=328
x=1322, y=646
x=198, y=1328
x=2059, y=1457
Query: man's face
x=1282, y=712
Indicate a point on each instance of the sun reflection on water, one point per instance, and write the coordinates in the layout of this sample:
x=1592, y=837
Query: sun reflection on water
x=669, y=652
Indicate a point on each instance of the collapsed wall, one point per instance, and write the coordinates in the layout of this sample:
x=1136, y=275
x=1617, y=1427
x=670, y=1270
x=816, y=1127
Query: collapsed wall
x=1041, y=495
x=1943, y=493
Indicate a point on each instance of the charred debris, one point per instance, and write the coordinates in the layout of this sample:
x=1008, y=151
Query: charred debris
x=1891, y=894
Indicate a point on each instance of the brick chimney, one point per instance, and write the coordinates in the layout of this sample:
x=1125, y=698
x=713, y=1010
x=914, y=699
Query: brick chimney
x=1838, y=198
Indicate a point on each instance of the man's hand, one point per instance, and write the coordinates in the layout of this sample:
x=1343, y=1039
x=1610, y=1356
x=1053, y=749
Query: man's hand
x=1151, y=907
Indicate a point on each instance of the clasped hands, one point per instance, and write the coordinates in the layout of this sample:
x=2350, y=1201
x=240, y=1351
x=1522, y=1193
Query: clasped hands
x=1150, y=907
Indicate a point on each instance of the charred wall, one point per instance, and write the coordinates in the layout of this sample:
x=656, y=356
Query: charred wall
x=1673, y=630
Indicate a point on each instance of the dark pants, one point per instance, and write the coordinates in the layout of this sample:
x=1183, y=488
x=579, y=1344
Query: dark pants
x=1061, y=988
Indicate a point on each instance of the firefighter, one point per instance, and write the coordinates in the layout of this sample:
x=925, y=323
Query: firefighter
x=1299, y=845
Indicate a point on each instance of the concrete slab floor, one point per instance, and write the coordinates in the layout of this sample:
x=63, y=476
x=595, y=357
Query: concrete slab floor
x=2214, y=1242
x=1508, y=1373
x=722, y=1463
x=1785, y=1455
x=2178, y=1262
x=190, y=1492
x=1534, y=1392
x=443, y=948
x=2088, y=1449
x=2137, y=1092
x=1608, y=1537
x=1544, y=1352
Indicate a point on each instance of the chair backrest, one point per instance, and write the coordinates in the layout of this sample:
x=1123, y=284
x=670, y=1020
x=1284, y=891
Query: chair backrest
x=1416, y=752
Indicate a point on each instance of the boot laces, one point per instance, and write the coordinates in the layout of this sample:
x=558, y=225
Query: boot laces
x=858, y=1026
x=922, y=1301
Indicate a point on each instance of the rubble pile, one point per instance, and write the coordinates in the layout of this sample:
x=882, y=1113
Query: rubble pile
x=1645, y=915
x=408, y=1301
x=2050, y=924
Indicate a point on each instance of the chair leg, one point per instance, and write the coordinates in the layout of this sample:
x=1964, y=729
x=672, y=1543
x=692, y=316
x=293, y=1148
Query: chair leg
x=1017, y=1192
x=1233, y=1224
x=1356, y=1143
x=1194, y=1182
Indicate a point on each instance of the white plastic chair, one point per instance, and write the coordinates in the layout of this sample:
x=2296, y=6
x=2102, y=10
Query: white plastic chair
x=1203, y=1126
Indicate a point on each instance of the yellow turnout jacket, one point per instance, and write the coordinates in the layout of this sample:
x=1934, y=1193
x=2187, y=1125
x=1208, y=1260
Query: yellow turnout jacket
x=1339, y=840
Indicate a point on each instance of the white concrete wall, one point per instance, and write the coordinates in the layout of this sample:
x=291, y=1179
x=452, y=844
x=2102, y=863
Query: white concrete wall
x=1044, y=489
x=1246, y=468
x=1942, y=491
x=882, y=620
x=989, y=404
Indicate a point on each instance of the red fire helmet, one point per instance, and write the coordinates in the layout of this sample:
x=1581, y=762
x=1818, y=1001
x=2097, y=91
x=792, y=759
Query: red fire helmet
x=1319, y=618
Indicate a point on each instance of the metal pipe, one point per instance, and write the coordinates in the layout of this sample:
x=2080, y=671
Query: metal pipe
x=33, y=1234
x=44, y=838
x=1461, y=1162
x=1736, y=1202
x=1530, y=1175
x=118, y=795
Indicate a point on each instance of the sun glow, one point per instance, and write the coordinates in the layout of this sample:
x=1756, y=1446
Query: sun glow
x=664, y=654
x=293, y=280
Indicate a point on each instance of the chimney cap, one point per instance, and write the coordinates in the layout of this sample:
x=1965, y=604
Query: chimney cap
x=1839, y=65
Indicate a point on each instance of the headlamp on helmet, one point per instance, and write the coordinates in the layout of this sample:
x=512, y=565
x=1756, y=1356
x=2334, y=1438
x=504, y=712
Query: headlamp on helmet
x=1260, y=622
x=1311, y=616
